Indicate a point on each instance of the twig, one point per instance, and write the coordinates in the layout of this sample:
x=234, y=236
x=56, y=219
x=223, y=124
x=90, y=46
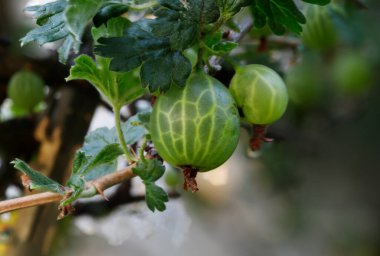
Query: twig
x=92, y=188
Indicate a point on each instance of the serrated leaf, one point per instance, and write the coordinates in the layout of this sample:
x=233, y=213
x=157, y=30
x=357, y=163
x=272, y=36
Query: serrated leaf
x=180, y=21
x=157, y=43
x=53, y=29
x=114, y=28
x=118, y=88
x=108, y=154
x=133, y=130
x=79, y=13
x=279, y=14
x=100, y=171
x=37, y=180
x=319, y=2
x=217, y=46
x=230, y=7
x=108, y=11
x=162, y=73
x=155, y=197
x=62, y=19
x=149, y=170
x=42, y=12
x=80, y=160
x=84, y=163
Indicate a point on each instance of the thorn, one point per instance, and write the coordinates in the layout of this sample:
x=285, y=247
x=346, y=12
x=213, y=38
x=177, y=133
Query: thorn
x=64, y=211
x=100, y=191
x=25, y=180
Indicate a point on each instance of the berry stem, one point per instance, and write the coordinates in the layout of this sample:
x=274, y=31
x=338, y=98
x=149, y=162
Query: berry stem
x=128, y=154
x=258, y=137
x=190, y=182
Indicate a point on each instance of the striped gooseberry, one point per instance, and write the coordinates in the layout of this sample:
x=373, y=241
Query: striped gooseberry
x=196, y=127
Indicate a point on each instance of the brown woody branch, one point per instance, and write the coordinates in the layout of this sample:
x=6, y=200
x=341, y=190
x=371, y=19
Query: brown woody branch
x=91, y=188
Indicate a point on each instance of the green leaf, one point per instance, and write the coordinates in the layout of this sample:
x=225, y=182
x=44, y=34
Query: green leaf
x=149, y=170
x=84, y=163
x=100, y=171
x=43, y=12
x=108, y=154
x=53, y=29
x=157, y=44
x=279, y=14
x=62, y=19
x=143, y=118
x=133, y=130
x=320, y=2
x=162, y=73
x=108, y=11
x=114, y=28
x=217, y=46
x=37, y=180
x=181, y=21
x=79, y=13
x=230, y=7
x=155, y=197
x=118, y=88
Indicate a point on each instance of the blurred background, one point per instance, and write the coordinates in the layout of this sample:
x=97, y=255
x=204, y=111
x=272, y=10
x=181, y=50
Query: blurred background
x=313, y=191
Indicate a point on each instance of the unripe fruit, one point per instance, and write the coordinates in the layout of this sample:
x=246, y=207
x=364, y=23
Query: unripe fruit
x=319, y=31
x=196, y=126
x=26, y=90
x=260, y=93
x=305, y=85
x=351, y=73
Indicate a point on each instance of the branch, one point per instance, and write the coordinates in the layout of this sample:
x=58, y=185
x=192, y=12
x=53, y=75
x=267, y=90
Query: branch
x=92, y=188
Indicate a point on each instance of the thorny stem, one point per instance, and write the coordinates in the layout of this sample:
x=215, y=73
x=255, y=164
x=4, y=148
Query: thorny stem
x=92, y=188
x=128, y=154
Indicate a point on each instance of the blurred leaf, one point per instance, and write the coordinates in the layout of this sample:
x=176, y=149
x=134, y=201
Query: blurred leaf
x=279, y=14
x=320, y=2
x=79, y=13
x=108, y=11
x=230, y=7
x=37, y=180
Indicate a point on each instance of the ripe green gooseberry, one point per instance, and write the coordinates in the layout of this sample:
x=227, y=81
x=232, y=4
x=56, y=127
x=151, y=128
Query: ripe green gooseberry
x=260, y=93
x=196, y=126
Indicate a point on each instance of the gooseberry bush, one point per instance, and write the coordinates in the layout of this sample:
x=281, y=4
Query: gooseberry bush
x=168, y=50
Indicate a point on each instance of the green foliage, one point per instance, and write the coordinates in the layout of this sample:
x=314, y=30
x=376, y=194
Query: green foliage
x=157, y=44
x=194, y=122
x=216, y=46
x=37, y=180
x=229, y=8
x=118, y=88
x=62, y=19
x=150, y=170
x=280, y=14
x=108, y=11
x=133, y=130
